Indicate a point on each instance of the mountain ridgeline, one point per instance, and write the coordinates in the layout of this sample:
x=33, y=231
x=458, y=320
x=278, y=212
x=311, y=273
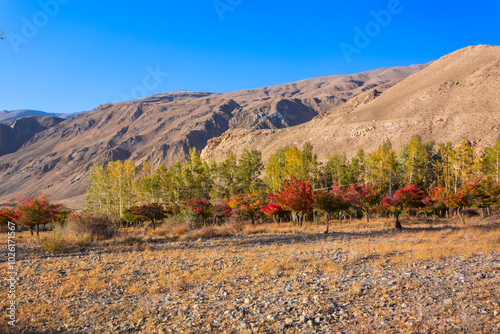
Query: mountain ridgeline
x=450, y=99
x=161, y=128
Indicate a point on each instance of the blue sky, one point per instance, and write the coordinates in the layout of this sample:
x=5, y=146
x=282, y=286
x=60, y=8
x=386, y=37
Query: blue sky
x=73, y=55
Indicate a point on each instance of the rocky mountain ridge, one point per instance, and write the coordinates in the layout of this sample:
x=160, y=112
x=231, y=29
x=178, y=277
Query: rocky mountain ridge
x=161, y=128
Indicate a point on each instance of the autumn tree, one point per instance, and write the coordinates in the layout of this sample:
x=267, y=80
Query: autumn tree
x=36, y=211
x=151, y=211
x=201, y=208
x=296, y=197
x=464, y=197
x=273, y=210
x=221, y=210
x=330, y=202
x=435, y=200
x=247, y=206
x=404, y=199
x=363, y=197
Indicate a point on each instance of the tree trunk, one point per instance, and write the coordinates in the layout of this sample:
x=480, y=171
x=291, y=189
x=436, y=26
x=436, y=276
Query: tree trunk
x=327, y=223
x=367, y=216
x=37, y=230
x=340, y=217
x=31, y=230
x=398, y=223
x=460, y=215
x=482, y=213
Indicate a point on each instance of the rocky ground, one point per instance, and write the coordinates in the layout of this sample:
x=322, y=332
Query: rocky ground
x=419, y=280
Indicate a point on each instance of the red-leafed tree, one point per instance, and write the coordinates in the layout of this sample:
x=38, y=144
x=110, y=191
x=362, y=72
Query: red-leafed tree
x=403, y=199
x=465, y=196
x=363, y=197
x=35, y=211
x=7, y=216
x=435, y=199
x=332, y=201
x=151, y=211
x=273, y=210
x=221, y=210
x=201, y=208
x=296, y=196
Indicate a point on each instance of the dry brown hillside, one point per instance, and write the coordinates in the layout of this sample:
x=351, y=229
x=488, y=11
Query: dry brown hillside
x=455, y=97
x=161, y=128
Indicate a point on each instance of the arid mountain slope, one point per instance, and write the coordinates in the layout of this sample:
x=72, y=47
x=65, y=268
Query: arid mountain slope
x=162, y=127
x=456, y=97
x=9, y=115
x=15, y=133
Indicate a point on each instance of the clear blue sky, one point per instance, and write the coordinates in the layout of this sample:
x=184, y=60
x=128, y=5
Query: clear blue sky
x=85, y=53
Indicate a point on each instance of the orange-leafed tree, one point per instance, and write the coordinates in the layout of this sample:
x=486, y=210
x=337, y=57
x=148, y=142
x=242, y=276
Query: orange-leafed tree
x=247, y=206
x=403, y=199
x=296, y=196
x=35, y=211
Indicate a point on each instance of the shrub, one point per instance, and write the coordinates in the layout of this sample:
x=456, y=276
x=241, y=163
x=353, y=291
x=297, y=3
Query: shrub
x=56, y=243
x=95, y=227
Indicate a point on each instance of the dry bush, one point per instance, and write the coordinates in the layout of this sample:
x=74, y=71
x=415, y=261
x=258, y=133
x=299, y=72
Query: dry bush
x=208, y=232
x=95, y=227
x=180, y=230
x=57, y=242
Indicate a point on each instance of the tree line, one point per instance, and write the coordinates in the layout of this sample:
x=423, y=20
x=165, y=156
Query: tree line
x=434, y=177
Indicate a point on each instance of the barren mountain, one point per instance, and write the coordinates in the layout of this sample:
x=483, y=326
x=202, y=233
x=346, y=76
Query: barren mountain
x=456, y=97
x=15, y=133
x=161, y=128
x=9, y=115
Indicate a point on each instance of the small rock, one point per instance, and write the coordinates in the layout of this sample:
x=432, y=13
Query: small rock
x=288, y=321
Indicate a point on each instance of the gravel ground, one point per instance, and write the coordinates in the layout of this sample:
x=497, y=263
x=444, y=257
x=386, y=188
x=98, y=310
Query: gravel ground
x=270, y=283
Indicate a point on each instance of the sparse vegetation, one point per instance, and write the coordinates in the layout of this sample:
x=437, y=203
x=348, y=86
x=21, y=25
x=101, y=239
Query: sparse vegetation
x=430, y=277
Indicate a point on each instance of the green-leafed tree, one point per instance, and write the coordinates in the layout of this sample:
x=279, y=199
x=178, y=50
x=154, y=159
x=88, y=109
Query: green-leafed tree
x=337, y=170
x=249, y=170
x=414, y=159
x=490, y=161
x=382, y=168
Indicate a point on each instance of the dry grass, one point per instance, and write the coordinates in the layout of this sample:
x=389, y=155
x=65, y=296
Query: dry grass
x=134, y=268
